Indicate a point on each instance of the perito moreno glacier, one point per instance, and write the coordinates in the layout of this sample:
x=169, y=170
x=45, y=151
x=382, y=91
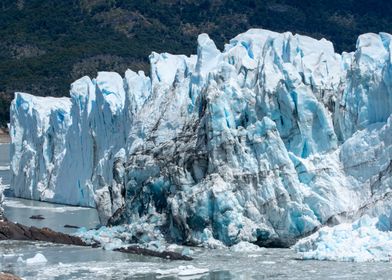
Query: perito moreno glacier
x=266, y=141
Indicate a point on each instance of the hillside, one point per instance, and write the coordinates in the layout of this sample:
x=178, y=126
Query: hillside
x=45, y=45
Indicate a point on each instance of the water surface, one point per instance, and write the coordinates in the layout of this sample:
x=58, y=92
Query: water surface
x=56, y=216
x=71, y=262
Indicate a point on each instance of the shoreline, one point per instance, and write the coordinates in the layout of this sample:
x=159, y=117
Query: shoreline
x=15, y=231
x=4, y=138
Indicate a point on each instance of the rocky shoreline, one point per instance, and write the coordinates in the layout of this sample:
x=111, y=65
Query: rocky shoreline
x=168, y=255
x=15, y=231
x=8, y=276
x=4, y=137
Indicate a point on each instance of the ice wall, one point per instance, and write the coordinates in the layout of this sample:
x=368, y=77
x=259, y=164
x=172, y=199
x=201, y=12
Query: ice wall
x=63, y=149
x=1, y=199
x=265, y=141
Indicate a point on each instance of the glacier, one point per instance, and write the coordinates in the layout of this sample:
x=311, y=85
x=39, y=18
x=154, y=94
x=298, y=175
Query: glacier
x=265, y=142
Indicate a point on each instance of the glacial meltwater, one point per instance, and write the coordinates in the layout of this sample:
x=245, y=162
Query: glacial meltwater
x=72, y=262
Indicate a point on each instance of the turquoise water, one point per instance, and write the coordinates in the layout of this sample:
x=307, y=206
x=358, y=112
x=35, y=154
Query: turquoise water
x=72, y=262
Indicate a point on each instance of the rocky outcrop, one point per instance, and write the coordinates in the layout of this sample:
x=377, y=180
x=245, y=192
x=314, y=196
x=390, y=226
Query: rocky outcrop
x=8, y=276
x=167, y=255
x=14, y=231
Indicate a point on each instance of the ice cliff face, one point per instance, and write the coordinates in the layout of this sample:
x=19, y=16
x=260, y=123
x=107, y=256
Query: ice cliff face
x=264, y=142
x=1, y=200
x=63, y=149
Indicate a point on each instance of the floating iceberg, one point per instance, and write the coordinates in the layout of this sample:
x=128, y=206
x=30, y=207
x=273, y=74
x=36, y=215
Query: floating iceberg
x=37, y=259
x=191, y=272
x=183, y=271
x=246, y=247
x=263, y=142
x=368, y=239
x=145, y=233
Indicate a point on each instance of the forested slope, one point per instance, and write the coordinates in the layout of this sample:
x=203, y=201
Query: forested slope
x=45, y=45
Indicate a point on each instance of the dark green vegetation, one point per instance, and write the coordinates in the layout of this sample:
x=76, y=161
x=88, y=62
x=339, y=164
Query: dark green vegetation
x=47, y=44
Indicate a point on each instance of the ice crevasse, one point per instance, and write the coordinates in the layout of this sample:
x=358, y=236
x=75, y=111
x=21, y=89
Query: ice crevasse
x=265, y=141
